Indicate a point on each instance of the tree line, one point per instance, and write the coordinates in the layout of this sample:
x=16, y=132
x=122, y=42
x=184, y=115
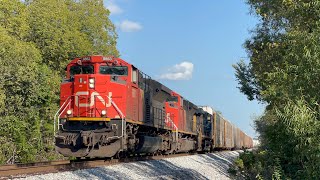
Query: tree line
x=37, y=40
x=283, y=72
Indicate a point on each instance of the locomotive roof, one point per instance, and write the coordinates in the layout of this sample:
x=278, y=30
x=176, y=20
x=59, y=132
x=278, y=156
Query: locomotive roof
x=99, y=59
x=160, y=86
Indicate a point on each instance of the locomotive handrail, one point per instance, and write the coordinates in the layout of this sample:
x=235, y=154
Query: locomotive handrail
x=61, y=114
x=55, y=116
x=65, y=105
x=120, y=112
x=175, y=127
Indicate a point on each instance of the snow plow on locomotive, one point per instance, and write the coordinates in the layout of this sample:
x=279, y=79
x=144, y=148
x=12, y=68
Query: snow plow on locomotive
x=109, y=107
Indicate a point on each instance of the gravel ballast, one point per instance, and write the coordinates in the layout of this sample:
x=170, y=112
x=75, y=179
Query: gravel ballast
x=201, y=166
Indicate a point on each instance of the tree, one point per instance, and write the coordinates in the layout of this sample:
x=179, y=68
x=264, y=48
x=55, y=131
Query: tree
x=27, y=91
x=64, y=29
x=286, y=39
x=14, y=18
x=37, y=38
x=283, y=72
x=94, y=22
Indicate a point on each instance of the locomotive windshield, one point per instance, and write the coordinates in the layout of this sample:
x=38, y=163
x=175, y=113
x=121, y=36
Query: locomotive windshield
x=114, y=70
x=172, y=99
x=86, y=69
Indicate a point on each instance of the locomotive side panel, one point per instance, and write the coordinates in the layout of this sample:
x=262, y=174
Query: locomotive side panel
x=172, y=110
x=141, y=105
x=191, y=117
x=182, y=120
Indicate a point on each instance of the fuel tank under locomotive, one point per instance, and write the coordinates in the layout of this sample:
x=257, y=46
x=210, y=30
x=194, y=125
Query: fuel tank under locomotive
x=187, y=145
x=148, y=144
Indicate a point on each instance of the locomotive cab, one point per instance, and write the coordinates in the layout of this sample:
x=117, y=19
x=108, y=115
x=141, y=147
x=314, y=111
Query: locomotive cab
x=174, y=109
x=93, y=105
x=91, y=85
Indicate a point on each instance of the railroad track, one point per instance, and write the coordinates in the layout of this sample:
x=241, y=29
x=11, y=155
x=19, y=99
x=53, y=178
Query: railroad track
x=22, y=170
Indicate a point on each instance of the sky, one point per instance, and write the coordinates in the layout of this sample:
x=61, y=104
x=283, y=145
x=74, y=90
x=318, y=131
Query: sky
x=190, y=46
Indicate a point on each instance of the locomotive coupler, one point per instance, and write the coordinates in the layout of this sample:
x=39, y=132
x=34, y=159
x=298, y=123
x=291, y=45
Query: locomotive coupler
x=88, y=138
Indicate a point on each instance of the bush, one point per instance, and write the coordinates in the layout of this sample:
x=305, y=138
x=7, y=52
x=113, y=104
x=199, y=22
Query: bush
x=289, y=145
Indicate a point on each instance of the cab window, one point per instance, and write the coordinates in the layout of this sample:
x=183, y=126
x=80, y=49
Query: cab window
x=114, y=70
x=86, y=69
x=172, y=99
x=134, y=75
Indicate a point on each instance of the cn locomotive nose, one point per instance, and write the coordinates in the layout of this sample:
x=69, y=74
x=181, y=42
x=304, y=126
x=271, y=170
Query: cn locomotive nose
x=83, y=82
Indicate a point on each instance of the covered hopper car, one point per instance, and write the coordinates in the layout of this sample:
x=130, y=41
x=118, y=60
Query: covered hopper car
x=109, y=107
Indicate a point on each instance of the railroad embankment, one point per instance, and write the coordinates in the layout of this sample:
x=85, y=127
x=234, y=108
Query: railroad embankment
x=201, y=166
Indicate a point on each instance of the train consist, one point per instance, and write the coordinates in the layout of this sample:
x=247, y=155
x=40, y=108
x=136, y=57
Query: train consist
x=109, y=108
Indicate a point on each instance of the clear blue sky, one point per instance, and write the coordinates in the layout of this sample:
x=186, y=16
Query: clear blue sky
x=156, y=35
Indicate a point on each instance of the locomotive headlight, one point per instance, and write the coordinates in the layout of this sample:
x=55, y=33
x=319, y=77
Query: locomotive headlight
x=103, y=112
x=91, y=83
x=91, y=80
x=69, y=112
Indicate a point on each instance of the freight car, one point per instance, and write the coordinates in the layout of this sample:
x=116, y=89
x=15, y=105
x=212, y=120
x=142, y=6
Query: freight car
x=109, y=107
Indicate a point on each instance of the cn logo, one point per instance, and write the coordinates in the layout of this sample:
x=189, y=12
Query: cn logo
x=93, y=97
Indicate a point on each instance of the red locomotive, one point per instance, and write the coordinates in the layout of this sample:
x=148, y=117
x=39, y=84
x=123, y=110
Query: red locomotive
x=109, y=107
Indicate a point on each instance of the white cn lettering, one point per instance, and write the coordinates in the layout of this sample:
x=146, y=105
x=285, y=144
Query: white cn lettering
x=93, y=96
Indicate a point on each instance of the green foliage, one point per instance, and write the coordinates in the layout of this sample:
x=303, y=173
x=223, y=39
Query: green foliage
x=64, y=29
x=27, y=89
x=283, y=72
x=7, y=150
x=246, y=79
x=36, y=39
x=290, y=144
x=13, y=18
x=256, y=165
x=283, y=52
x=97, y=27
x=301, y=148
